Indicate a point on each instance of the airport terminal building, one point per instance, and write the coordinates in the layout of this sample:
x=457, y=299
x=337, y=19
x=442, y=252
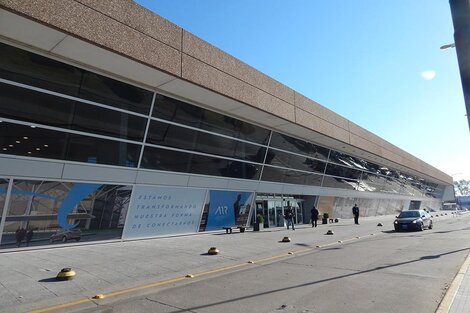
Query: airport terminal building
x=116, y=124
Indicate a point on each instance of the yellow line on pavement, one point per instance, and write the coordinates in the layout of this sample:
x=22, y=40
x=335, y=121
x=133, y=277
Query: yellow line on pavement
x=174, y=280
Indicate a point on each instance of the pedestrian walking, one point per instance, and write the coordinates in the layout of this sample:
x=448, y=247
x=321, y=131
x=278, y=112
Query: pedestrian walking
x=29, y=236
x=355, y=211
x=289, y=216
x=314, y=216
x=19, y=236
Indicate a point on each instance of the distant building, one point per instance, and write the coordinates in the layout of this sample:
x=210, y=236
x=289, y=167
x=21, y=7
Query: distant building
x=119, y=123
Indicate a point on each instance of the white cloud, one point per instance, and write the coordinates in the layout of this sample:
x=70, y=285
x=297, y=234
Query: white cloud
x=428, y=75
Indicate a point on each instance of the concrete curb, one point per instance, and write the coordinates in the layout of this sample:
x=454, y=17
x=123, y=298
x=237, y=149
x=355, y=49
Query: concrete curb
x=449, y=297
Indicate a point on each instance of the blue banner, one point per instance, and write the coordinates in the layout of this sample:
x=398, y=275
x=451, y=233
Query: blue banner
x=228, y=208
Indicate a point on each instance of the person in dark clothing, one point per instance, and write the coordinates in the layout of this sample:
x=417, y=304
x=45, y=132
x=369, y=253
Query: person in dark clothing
x=355, y=211
x=289, y=216
x=314, y=216
x=19, y=236
x=29, y=236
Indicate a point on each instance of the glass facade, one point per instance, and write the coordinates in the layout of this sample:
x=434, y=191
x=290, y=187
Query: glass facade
x=53, y=110
x=35, y=206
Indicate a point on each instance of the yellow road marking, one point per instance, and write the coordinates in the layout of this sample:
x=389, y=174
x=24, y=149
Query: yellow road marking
x=178, y=279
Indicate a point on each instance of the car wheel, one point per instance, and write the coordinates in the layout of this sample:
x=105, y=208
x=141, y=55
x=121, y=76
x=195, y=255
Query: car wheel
x=64, y=239
x=397, y=229
x=421, y=226
x=430, y=225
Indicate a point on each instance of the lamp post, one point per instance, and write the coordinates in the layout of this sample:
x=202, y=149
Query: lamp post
x=460, y=10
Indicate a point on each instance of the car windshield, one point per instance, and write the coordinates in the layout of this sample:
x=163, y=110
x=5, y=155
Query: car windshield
x=409, y=214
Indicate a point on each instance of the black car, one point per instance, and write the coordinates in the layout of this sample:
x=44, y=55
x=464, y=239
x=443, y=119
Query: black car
x=413, y=220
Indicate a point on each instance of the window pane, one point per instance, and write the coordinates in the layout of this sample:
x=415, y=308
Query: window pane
x=27, y=105
x=102, y=151
x=190, y=115
x=336, y=182
x=285, y=159
x=35, y=142
x=35, y=70
x=288, y=143
x=168, y=160
x=342, y=171
x=112, y=92
x=346, y=160
x=292, y=177
x=183, y=138
x=165, y=160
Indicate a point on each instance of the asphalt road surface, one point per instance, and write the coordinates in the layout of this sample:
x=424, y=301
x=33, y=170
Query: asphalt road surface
x=388, y=272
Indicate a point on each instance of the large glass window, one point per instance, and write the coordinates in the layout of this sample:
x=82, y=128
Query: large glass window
x=337, y=182
x=32, y=141
x=32, y=106
x=187, y=114
x=42, y=143
x=342, y=171
x=275, y=174
x=284, y=159
x=102, y=151
x=292, y=144
x=35, y=70
x=347, y=160
x=168, y=160
x=165, y=134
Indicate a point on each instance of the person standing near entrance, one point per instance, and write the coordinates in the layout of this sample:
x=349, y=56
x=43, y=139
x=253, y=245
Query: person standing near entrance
x=289, y=216
x=314, y=216
x=355, y=211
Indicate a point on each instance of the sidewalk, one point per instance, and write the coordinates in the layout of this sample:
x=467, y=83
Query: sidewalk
x=27, y=278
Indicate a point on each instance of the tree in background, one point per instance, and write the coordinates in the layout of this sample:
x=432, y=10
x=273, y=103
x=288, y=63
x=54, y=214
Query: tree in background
x=462, y=187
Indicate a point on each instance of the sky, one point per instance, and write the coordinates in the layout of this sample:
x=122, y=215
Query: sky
x=375, y=62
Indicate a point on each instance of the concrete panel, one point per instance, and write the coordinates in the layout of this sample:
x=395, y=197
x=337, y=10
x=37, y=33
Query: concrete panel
x=105, y=60
x=141, y=19
x=212, y=78
x=197, y=94
x=224, y=62
x=11, y=166
x=26, y=31
x=320, y=111
x=208, y=182
x=321, y=126
x=98, y=173
x=267, y=187
x=86, y=23
x=161, y=178
x=241, y=185
x=364, y=144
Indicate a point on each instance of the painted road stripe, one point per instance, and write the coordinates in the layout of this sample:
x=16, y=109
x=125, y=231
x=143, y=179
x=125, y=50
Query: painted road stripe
x=178, y=279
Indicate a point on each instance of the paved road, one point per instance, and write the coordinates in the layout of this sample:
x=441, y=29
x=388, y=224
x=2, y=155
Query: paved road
x=384, y=272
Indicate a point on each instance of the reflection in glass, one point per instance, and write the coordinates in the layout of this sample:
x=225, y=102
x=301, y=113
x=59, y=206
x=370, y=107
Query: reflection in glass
x=168, y=160
x=190, y=115
x=275, y=174
x=32, y=106
x=32, y=69
x=337, y=182
x=342, y=171
x=165, y=134
x=285, y=159
x=288, y=143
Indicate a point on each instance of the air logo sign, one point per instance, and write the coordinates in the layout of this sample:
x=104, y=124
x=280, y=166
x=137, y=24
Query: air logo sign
x=221, y=210
x=226, y=208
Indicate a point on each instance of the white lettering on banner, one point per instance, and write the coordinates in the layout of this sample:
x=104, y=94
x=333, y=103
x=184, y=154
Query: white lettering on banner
x=157, y=211
x=221, y=210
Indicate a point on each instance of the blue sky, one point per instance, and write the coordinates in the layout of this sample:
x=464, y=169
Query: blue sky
x=363, y=59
